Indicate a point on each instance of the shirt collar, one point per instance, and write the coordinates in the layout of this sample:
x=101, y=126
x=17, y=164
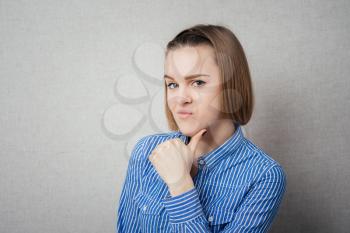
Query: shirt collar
x=213, y=157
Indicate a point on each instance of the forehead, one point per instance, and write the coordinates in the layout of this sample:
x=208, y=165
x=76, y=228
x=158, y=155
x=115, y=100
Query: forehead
x=188, y=59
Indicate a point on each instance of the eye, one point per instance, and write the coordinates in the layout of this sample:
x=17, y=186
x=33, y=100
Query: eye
x=169, y=85
x=200, y=82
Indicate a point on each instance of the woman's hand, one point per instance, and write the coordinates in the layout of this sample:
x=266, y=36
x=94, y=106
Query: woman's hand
x=173, y=161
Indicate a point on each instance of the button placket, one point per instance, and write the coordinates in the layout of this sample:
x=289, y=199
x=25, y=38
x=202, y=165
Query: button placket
x=201, y=164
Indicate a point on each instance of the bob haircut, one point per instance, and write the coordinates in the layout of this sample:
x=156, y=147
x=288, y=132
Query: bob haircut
x=236, y=97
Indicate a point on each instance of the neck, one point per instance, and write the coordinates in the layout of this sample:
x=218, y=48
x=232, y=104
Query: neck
x=216, y=135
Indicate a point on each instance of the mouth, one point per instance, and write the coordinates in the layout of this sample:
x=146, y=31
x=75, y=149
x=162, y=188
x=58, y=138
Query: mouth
x=184, y=115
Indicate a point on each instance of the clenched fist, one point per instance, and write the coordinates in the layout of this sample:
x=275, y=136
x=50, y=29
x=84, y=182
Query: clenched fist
x=173, y=160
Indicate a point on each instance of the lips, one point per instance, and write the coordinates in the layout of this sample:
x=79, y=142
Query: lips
x=184, y=114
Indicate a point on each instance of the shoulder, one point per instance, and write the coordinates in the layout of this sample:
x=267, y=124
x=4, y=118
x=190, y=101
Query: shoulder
x=265, y=164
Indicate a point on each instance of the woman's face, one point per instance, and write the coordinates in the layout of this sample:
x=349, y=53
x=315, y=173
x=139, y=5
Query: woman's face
x=193, y=85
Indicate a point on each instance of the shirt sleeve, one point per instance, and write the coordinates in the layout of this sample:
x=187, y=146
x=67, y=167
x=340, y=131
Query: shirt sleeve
x=127, y=214
x=255, y=214
x=186, y=213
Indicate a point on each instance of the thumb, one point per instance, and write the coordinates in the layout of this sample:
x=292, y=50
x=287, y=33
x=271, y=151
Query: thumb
x=195, y=139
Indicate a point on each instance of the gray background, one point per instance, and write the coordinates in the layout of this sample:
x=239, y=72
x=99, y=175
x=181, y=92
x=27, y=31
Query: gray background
x=66, y=132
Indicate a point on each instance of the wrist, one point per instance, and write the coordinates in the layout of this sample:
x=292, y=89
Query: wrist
x=182, y=186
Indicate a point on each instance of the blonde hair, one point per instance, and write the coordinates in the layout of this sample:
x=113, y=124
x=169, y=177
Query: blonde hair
x=236, y=98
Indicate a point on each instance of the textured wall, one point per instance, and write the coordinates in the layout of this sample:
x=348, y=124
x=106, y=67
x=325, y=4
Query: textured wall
x=79, y=84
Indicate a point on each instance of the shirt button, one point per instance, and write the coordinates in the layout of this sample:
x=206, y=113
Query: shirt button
x=210, y=218
x=144, y=208
x=201, y=162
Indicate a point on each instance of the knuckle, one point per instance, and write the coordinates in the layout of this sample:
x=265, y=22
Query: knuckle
x=175, y=140
x=178, y=140
x=153, y=155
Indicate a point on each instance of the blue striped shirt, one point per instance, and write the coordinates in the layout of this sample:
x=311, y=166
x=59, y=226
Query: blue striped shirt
x=238, y=188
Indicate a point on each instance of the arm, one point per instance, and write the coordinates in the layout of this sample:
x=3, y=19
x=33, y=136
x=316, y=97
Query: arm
x=127, y=219
x=254, y=215
x=186, y=213
x=259, y=208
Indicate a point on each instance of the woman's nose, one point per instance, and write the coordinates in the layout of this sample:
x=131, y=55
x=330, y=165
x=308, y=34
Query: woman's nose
x=184, y=96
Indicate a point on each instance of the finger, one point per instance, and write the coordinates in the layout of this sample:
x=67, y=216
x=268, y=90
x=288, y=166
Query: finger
x=177, y=142
x=163, y=145
x=174, y=140
x=152, y=157
x=195, y=139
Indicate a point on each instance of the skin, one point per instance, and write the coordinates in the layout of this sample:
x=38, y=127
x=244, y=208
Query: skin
x=174, y=161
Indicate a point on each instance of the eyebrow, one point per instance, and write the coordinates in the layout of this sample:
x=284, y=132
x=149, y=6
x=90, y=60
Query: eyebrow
x=188, y=77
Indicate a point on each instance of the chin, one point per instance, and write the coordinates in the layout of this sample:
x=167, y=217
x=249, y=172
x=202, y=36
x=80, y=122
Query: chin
x=189, y=131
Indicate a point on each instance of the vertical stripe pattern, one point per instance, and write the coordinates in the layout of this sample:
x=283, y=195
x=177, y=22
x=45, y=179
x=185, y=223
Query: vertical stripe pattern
x=238, y=188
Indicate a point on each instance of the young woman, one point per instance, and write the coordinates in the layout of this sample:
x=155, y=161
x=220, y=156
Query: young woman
x=203, y=175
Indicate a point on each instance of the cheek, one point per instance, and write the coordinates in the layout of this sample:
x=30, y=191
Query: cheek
x=171, y=101
x=210, y=105
x=210, y=97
